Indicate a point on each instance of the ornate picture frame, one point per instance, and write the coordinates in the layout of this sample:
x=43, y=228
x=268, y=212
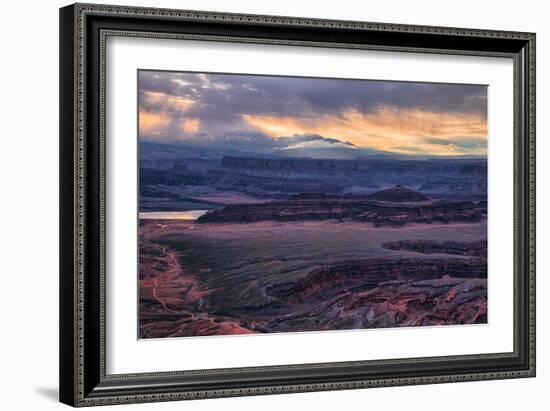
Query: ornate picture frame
x=84, y=30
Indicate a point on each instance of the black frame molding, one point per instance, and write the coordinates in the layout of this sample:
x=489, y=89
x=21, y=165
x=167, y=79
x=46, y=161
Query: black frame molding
x=84, y=29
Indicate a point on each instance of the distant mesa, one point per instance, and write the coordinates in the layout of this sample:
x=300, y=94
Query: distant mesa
x=394, y=207
x=398, y=194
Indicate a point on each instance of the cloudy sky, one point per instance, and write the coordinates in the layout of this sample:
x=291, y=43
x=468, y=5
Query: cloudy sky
x=294, y=113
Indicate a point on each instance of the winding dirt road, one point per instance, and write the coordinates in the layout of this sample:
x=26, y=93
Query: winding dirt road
x=171, y=302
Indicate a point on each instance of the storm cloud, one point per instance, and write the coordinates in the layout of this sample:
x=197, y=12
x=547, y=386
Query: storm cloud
x=205, y=108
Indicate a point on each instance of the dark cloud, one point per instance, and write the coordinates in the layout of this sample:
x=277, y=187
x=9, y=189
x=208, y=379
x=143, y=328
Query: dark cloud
x=221, y=99
x=251, y=112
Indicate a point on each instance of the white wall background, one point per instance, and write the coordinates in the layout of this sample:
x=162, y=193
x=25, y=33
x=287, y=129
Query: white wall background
x=29, y=206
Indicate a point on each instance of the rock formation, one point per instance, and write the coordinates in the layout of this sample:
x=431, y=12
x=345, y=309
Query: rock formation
x=398, y=194
x=475, y=248
x=394, y=207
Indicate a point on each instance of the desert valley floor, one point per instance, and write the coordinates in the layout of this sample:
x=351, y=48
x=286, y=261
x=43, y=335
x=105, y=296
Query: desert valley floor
x=200, y=279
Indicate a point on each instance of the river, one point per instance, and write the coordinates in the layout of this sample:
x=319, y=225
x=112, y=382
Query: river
x=171, y=215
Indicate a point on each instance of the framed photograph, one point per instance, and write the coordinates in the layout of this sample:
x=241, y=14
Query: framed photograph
x=260, y=204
